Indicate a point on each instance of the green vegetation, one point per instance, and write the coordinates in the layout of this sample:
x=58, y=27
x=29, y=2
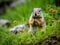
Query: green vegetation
x=21, y=14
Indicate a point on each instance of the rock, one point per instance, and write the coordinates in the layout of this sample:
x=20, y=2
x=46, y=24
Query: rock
x=5, y=22
x=52, y=40
x=18, y=28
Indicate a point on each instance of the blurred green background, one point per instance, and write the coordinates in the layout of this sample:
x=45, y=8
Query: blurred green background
x=21, y=14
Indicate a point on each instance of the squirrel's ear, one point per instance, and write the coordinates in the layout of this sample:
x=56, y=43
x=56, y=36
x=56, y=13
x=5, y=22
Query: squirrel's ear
x=39, y=8
x=34, y=8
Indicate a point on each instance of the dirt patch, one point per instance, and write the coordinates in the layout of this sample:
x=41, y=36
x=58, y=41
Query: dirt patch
x=52, y=40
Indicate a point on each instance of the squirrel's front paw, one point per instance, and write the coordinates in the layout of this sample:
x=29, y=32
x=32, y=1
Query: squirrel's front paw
x=31, y=22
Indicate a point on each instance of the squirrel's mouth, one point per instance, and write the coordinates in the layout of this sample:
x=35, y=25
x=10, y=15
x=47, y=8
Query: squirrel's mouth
x=37, y=17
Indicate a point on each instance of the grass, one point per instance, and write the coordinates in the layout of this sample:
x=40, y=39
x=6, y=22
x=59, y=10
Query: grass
x=21, y=14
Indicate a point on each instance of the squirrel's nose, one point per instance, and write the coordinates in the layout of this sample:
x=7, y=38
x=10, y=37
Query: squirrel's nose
x=35, y=14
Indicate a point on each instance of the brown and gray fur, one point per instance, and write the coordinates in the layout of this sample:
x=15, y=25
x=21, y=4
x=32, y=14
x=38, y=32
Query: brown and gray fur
x=36, y=20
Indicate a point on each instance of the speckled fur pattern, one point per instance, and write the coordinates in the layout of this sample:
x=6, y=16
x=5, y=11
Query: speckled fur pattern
x=36, y=19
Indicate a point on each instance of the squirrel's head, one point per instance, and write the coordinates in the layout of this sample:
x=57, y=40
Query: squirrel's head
x=37, y=11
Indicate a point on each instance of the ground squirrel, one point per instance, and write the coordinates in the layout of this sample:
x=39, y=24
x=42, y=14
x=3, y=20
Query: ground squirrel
x=36, y=19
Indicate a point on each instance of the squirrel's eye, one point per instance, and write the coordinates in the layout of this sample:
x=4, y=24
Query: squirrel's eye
x=39, y=10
